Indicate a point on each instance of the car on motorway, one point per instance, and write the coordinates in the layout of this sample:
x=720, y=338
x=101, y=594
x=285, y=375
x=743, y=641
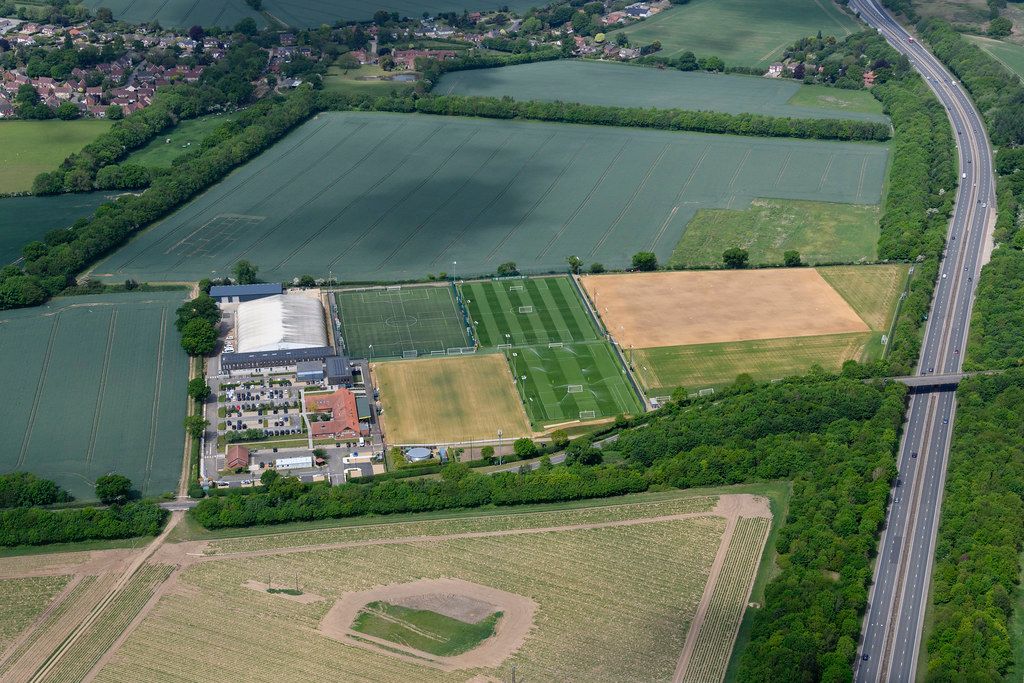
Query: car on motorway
x=913, y=454
x=945, y=420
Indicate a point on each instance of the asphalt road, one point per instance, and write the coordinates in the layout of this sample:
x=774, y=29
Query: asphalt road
x=898, y=597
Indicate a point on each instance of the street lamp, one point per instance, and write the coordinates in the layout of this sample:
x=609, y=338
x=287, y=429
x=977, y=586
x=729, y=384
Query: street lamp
x=499, y=447
x=371, y=353
x=454, y=263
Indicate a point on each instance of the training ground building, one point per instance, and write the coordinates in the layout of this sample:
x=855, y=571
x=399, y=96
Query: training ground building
x=272, y=330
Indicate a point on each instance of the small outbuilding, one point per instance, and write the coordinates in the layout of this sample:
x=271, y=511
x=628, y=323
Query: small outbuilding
x=339, y=371
x=294, y=463
x=418, y=454
x=238, y=456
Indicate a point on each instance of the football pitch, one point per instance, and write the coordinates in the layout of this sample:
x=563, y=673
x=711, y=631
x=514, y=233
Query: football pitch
x=396, y=322
x=389, y=197
x=563, y=369
x=526, y=312
x=97, y=385
x=625, y=85
x=571, y=382
x=741, y=32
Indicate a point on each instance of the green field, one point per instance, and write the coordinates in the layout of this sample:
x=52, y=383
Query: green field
x=354, y=81
x=527, y=312
x=1011, y=56
x=100, y=384
x=388, y=197
x=562, y=367
x=821, y=232
x=701, y=366
x=624, y=85
x=571, y=382
x=167, y=146
x=27, y=148
x=836, y=99
x=422, y=629
x=741, y=32
x=383, y=323
x=25, y=219
x=297, y=13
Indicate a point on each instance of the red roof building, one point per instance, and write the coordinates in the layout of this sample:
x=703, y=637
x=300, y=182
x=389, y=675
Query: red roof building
x=344, y=417
x=238, y=456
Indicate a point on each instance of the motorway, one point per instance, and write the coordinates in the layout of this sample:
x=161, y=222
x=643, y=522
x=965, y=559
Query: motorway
x=899, y=595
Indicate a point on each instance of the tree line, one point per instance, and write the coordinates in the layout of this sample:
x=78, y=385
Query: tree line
x=981, y=535
x=835, y=439
x=996, y=91
x=997, y=325
x=38, y=526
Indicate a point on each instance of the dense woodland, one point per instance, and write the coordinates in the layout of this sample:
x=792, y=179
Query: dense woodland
x=834, y=439
x=977, y=556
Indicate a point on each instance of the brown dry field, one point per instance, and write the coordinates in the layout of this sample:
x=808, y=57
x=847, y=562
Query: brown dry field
x=647, y=310
x=448, y=400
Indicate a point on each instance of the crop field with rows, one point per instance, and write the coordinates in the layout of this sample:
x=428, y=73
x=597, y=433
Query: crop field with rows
x=680, y=502
x=379, y=197
x=728, y=601
x=26, y=219
x=23, y=600
x=621, y=629
x=80, y=657
x=610, y=84
x=102, y=383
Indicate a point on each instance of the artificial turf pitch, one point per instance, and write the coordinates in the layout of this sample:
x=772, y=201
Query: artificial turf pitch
x=96, y=386
x=380, y=197
x=563, y=368
x=397, y=322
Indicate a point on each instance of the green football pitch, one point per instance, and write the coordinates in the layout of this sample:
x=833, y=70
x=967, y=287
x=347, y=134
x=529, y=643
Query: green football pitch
x=563, y=369
x=611, y=84
x=296, y=13
x=741, y=32
x=396, y=322
x=571, y=382
x=521, y=311
x=374, y=197
x=99, y=386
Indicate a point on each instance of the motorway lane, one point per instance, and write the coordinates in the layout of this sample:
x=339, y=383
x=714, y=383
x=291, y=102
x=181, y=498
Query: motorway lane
x=892, y=628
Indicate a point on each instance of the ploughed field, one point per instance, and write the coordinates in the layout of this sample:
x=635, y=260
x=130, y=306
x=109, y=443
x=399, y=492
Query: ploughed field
x=99, y=386
x=624, y=85
x=385, y=197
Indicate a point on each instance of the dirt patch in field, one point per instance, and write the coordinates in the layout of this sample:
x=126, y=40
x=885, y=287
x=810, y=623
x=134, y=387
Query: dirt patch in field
x=454, y=605
x=645, y=310
x=463, y=597
x=262, y=587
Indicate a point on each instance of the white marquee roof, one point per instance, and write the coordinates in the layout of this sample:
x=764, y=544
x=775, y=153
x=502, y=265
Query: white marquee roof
x=276, y=323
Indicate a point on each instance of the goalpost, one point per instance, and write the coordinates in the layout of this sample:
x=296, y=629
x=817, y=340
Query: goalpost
x=555, y=345
x=574, y=389
x=516, y=288
x=526, y=309
x=588, y=414
x=410, y=354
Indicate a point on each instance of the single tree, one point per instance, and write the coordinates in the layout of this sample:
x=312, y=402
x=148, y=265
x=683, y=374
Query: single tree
x=735, y=257
x=198, y=337
x=115, y=112
x=524, y=448
x=245, y=273
x=559, y=438
x=575, y=264
x=269, y=477
x=113, y=489
x=645, y=261
x=791, y=258
x=487, y=453
x=67, y=111
x=195, y=425
x=508, y=269
x=198, y=389
x=596, y=268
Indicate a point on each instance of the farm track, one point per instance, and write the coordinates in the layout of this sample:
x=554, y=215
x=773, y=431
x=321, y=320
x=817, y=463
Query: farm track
x=50, y=666
x=101, y=390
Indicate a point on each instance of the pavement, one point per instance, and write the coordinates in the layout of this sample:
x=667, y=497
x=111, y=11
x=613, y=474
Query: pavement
x=898, y=599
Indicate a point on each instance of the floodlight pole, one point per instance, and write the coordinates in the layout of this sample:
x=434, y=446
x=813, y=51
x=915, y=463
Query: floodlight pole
x=454, y=263
x=499, y=448
x=371, y=353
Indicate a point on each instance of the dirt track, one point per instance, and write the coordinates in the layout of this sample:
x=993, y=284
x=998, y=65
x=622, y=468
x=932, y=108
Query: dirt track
x=647, y=310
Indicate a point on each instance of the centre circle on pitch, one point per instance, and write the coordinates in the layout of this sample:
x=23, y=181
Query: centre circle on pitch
x=401, y=321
